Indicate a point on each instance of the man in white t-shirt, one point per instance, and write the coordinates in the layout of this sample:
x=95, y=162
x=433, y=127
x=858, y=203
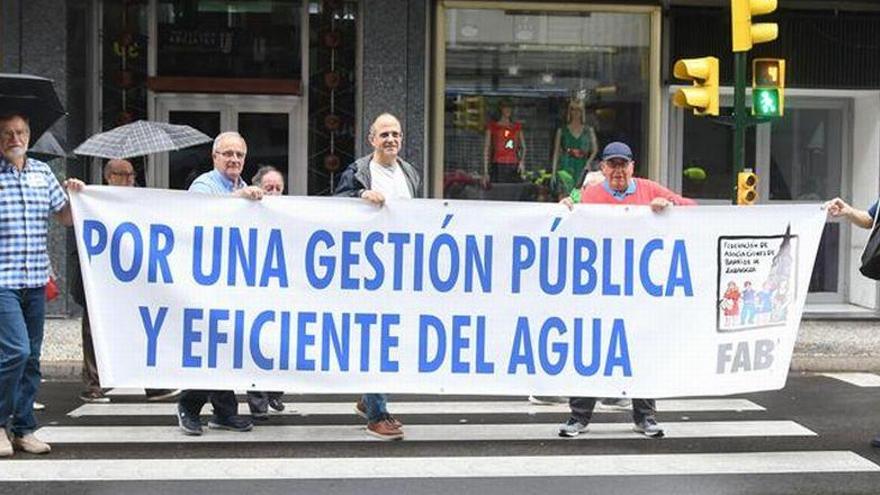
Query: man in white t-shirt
x=378, y=176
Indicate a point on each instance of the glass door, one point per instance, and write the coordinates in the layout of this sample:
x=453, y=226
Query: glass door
x=269, y=125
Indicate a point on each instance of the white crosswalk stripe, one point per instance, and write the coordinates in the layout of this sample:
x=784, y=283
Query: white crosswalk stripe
x=438, y=467
x=130, y=423
x=857, y=379
x=450, y=407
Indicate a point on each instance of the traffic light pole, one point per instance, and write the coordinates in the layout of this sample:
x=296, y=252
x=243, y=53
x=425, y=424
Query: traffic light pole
x=740, y=118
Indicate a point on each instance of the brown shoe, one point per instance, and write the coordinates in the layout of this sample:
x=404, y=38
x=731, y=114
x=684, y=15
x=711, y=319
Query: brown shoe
x=5, y=445
x=361, y=411
x=385, y=429
x=31, y=444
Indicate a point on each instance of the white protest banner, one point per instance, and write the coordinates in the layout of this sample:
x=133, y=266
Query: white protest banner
x=428, y=296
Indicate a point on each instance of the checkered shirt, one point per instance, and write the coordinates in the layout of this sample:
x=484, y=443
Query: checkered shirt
x=26, y=198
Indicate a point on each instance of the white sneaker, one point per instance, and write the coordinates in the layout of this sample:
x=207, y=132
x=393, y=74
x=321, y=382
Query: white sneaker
x=31, y=444
x=572, y=428
x=39, y=406
x=547, y=400
x=5, y=445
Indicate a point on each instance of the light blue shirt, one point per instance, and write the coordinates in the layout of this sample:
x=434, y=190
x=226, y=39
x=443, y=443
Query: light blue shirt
x=214, y=182
x=621, y=195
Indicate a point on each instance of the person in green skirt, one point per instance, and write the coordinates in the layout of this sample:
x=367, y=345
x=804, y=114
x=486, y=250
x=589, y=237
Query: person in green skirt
x=574, y=147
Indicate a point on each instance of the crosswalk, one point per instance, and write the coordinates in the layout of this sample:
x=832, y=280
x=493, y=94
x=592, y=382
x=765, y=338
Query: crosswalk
x=495, y=427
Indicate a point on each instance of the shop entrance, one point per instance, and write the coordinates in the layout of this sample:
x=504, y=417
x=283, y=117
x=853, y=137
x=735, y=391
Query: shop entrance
x=270, y=124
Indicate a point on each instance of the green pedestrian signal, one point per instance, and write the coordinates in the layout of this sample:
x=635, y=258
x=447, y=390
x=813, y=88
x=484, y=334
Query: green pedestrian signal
x=768, y=87
x=765, y=102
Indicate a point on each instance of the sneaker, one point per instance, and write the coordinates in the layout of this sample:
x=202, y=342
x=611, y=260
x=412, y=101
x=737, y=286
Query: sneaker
x=649, y=427
x=617, y=403
x=94, y=397
x=361, y=409
x=276, y=404
x=547, y=401
x=260, y=415
x=31, y=444
x=875, y=442
x=232, y=423
x=5, y=445
x=190, y=424
x=572, y=428
x=39, y=406
x=386, y=429
x=161, y=394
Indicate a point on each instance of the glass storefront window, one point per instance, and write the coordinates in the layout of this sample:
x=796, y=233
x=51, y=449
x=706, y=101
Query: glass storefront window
x=805, y=154
x=707, y=157
x=229, y=38
x=531, y=97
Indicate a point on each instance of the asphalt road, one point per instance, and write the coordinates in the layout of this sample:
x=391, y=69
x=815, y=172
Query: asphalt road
x=809, y=438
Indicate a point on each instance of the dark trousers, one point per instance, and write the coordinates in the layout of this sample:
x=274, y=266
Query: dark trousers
x=224, y=402
x=258, y=402
x=90, y=366
x=582, y=408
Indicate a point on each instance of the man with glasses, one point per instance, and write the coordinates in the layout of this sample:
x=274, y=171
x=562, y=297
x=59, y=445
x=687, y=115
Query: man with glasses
x=29, y=192
x=376, y=177
x=621, y=188
x=119, y=173
x=228, y=154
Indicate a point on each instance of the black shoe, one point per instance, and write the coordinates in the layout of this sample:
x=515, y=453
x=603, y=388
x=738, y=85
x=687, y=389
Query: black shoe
x=190, y=424
x=260, y=415
x=875, y=442
x=276, y=404
x=231, y=423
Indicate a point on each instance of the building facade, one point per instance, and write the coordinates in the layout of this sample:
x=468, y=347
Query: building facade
x=479, y=86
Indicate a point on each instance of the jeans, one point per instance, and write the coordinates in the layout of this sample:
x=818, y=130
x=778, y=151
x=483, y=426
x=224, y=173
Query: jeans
x=582, y=409
x=22, y=312
x=376, y=405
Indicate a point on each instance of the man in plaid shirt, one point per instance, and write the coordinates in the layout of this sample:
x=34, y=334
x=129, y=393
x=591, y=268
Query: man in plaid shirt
x=29, y=191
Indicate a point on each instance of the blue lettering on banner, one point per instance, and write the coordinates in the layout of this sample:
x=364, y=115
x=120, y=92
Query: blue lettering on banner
x=360, y=261
x=580, y=256
x=241, y=253
x=553, y=348
x=152, y=327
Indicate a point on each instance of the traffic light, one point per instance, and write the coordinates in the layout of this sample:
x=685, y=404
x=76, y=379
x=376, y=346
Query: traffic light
x=469, y=112
x=746, y=188
x=768, y=87
x=703, y=97
x=745, y=34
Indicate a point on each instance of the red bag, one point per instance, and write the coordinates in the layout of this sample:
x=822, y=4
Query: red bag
x=52, y=289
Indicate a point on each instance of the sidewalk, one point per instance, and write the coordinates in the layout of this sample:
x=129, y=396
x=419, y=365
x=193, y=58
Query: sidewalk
x=823, y=345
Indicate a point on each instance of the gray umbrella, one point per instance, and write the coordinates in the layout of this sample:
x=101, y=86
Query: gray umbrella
x=141, y=138
x=47, y=148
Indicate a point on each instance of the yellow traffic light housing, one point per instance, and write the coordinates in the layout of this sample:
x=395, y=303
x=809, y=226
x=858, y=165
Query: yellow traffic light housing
x=746, y=188
x=469, y=113
x=768, y=87
x=703, y=97
x=745, y=34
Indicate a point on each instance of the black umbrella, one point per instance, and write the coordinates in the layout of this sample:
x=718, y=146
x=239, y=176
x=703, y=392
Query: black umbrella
x=32, y=96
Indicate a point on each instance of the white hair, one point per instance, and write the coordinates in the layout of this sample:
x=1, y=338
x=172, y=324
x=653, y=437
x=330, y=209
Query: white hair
x=225, y=135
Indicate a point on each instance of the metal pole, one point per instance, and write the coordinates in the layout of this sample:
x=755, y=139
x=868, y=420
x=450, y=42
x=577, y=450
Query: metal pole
x=741, y=119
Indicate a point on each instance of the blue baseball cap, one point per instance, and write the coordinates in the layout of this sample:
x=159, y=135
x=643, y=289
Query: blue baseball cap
x=617, y=150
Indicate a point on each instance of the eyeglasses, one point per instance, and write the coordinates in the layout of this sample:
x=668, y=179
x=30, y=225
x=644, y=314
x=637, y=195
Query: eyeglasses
x=273, y=187
x=232, y=153
x=386, y=134
x=617, y=163
x=123, y=174
x=20, y=133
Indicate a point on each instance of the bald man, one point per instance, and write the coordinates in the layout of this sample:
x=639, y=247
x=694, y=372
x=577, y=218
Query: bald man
x=376, y=177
